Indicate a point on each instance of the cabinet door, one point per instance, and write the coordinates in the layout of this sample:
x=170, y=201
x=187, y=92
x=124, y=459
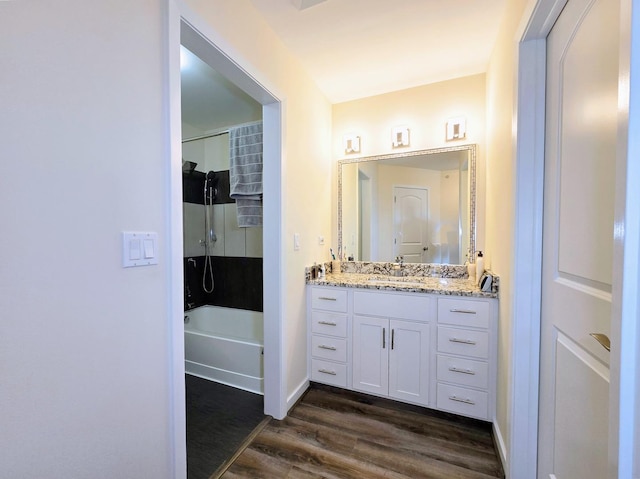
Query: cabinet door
x=409, y=361
x=370, y=354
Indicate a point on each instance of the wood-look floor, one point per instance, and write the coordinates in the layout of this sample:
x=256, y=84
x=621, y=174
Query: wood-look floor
x=333, y=433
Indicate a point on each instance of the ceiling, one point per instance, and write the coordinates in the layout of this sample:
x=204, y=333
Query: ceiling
x=209, y=100
x=360, y=48
x=353, y=49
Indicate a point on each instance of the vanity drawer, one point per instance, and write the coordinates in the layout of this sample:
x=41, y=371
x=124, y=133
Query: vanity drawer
x=329, y=348
x=329, y=323
x=465, y=372
x=466, y=342
x=329, y=299
x=462, y=400
x=329, y=373
x=402, y=306
x=463, y=312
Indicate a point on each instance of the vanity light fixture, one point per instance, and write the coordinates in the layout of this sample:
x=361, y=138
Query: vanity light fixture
x=351, y=144
x=399, y=136
x=456, y=128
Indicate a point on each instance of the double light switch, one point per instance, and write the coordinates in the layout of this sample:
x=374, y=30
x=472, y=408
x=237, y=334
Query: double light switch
x=139, y=249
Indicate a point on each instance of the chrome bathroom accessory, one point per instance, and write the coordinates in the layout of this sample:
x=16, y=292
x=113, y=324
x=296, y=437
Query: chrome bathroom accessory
x=210, y=194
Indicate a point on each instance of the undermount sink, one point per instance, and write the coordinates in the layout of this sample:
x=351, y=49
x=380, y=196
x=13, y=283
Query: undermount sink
x=393, y=281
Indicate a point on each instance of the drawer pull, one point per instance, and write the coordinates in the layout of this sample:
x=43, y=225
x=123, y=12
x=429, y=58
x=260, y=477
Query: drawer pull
x=466, y=401
x=326, y=371
x=462, y=371
x=384, y=337
x=463, y=341
x=328, y=323
x=327, y=298
x=324, y=346
x=463, y=311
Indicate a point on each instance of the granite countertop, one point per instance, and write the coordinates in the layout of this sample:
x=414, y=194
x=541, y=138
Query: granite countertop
x=413, y=284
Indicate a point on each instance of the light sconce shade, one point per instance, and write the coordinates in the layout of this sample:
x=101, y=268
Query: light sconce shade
x=399, y=136
x=351, y=144
x=456, y=128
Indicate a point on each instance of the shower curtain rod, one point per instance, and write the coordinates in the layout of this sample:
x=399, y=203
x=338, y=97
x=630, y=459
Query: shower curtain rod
x=211, y=135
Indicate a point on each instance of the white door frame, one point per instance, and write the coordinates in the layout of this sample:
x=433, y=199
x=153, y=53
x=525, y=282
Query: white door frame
x=184, y=25
x=538, y=19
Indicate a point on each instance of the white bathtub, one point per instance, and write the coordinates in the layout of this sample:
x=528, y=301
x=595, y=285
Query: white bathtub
x=225, y=345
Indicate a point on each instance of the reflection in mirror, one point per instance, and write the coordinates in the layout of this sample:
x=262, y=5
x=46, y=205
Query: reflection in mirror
x=419, y=205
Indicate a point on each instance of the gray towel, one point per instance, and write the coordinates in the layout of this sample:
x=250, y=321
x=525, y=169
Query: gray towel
x=245, y=173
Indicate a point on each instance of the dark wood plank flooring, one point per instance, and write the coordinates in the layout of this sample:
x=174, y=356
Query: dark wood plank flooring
x=219, y=419
x=333, y=433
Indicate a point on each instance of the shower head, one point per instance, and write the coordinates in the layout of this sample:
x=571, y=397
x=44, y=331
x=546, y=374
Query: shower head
x=211, y=186
x=188, y=166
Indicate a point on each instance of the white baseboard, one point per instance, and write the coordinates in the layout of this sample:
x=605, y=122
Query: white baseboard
x=297, y=394
x=502, y=449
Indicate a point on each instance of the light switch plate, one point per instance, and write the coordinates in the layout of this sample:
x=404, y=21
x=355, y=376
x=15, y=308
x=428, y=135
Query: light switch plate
x=139, y=248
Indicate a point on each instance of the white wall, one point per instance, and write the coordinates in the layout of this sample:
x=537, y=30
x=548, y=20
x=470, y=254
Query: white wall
x=425, y=110
x=500, y=194
x=450, y=216
x=306, y=182
x=350, y=194
x=84, y=346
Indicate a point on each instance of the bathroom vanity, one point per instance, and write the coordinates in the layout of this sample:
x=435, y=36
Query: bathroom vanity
x=430, y=341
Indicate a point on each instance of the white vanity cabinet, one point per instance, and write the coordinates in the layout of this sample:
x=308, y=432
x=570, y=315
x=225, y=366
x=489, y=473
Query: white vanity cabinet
x=466, y=356
x=428, y=349
x=391, y=345
x=328, y=340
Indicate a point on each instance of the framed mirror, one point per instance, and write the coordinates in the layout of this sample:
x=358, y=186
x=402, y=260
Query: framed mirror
x=420, y=205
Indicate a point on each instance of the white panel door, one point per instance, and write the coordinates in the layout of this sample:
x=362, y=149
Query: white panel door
x=409, y=361
x=370, y=354
x=580, y=154
x=410, y=221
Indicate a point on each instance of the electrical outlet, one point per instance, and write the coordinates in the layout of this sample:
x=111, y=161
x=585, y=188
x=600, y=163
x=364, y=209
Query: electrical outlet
x=321, y=240
x=296, y=242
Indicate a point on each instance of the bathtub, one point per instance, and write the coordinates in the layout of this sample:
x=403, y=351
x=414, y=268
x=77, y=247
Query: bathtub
x=225, y=345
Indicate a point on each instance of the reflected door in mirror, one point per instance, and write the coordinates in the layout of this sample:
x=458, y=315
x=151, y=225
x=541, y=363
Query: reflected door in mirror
x=410, y=224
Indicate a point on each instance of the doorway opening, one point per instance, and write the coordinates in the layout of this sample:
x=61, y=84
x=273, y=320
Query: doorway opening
x=197, y=41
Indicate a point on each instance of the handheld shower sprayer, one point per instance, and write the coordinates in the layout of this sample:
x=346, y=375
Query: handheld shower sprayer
x=210, y=194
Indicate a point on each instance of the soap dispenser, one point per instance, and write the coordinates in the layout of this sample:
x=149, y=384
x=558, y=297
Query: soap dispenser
x=479, y=266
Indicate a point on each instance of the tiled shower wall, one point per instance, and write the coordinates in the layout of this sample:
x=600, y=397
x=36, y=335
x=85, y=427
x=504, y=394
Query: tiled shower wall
x=236, y=256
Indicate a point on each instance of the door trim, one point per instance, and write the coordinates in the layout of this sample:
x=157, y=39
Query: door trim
x=529, y=112
x=184, y=25
x=625, y=326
